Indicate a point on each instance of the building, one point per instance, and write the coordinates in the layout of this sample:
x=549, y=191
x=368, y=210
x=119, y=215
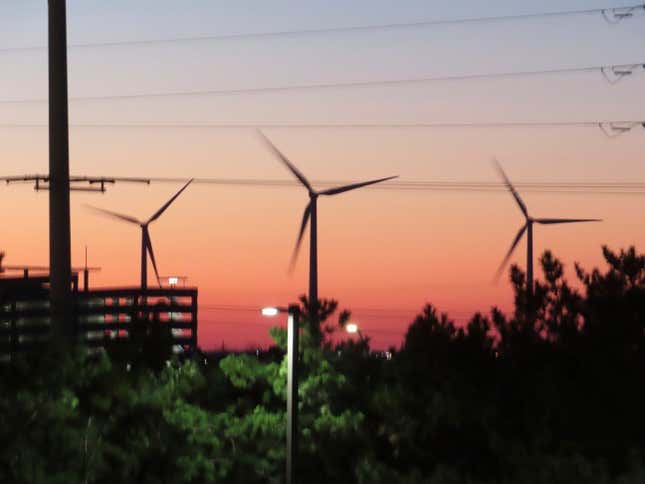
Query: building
x=103, y=316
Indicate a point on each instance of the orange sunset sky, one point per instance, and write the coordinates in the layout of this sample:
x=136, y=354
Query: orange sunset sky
x=382, y=253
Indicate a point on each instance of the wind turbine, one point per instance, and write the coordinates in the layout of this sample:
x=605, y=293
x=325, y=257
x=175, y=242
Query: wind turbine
x=311, y=213
x=528, y=228
x=146, y=243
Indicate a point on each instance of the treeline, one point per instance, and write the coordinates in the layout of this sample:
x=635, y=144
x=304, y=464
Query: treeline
x=554, y=393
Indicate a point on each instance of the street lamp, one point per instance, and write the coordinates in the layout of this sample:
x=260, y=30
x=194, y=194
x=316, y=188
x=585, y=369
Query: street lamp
x=352, y=328
x=270, y=312
x=293, y=312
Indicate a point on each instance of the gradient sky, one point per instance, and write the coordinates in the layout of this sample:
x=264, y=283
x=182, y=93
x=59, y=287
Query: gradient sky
x=382, y=254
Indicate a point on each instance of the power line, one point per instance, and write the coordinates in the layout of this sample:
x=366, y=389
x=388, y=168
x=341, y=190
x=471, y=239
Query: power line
x=461, y=317
x=613, y=73
x=427, y=185
x=610, y=14
x=609, y=188
x=617, y=125
x=611, y=129
x=245, y=323
x=256, y=309
x=366, y=331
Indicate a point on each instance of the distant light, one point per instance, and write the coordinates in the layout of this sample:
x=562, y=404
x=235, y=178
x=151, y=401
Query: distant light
x=173, y=281
x=352, y=328
x=270, y=311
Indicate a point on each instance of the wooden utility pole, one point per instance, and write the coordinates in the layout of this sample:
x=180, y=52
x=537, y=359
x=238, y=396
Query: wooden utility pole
x=59, y=217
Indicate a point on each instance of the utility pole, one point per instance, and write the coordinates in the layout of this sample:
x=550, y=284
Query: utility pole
x=59, y=217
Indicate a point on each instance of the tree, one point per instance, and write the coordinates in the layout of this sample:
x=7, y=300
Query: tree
x=551, y=396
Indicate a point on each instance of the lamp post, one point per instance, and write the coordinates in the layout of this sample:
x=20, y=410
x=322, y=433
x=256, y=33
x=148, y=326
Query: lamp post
x=293, y=312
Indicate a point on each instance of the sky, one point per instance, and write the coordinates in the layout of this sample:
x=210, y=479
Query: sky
x=382, y=253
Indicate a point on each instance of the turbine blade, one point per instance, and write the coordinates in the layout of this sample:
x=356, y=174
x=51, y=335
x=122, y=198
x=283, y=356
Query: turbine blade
x=167, y=204
x=547, y=221
x=303, y=227
x=152, y=254
x=125, y=218
x=510, y=252
x=353, y=186
x=510, y=186
x=286, y=161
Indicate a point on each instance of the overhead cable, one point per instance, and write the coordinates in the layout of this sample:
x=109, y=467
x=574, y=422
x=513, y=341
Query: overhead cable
x=608, y=127
x=621, y=188
x=612, y=73
x=611, y=15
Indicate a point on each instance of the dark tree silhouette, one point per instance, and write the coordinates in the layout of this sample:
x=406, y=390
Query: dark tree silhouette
x=555, y=395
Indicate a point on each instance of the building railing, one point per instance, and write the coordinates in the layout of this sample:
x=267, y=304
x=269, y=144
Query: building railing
x=102, y=315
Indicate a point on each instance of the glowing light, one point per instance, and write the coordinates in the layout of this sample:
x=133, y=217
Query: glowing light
x=352, y=328
x=270, y=311
x=173, y=281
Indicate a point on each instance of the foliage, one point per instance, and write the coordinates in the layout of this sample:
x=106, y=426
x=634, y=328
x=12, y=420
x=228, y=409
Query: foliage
x=552, y=393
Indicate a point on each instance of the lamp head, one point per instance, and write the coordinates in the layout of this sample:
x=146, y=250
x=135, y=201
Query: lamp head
x=351, y=328
x=270, y=311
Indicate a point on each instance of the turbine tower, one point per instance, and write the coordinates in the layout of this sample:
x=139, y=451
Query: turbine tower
x=146, y=243
x=528, y=228
x=311, y=214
